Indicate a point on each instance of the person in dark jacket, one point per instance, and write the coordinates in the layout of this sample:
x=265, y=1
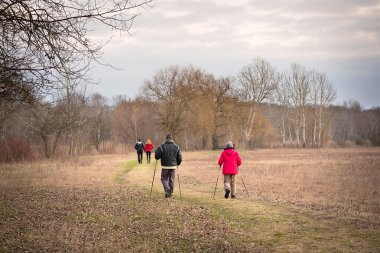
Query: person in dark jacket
x=230, y=159
x=171, y=158
x=139, y=146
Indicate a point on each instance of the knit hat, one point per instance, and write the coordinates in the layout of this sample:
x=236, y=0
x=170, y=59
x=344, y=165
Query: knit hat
x=169, y=136
x=229, y=144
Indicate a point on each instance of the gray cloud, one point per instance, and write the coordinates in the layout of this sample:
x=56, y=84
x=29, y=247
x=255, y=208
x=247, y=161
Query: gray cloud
x=222, y=36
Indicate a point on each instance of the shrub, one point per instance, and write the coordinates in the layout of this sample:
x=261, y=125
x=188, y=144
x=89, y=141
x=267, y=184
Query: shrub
x=14, y=149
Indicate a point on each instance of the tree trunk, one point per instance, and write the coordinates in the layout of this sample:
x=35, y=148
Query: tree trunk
x=320, y=128
x=247, y=129
x=283, y=130
x=298, y=135
x=304, y=129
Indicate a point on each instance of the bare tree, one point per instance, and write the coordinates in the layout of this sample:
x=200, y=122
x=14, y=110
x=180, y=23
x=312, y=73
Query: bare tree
x=373, y=126
x=257, y=82
x=346, y=123
x=98, y=119
x=125, y=119
x=298, y=83
x=282, y=96
x=14, y=93
x=210, y=106
x=223, y=95
x=314, y=95
x=74, y=109
x=45, y=41
x=48, y=126
x=171, y=90
x=322, y=94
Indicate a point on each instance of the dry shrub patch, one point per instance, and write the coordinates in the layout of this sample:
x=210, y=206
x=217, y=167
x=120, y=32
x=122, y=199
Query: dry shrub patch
x=15, y=149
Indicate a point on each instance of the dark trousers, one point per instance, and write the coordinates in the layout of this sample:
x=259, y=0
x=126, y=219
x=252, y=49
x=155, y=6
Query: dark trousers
x=167, y=180
x=140, y=155
x=148, y=156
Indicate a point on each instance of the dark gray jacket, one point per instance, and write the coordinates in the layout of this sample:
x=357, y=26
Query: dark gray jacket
x=169, y=153
x=139, y=146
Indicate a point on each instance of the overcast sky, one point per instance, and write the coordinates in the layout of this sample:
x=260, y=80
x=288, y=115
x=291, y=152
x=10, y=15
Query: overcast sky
x=338, y=37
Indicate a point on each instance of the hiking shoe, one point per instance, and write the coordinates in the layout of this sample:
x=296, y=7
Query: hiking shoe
x=233, y=196
x=167, y=195
x=227, y=194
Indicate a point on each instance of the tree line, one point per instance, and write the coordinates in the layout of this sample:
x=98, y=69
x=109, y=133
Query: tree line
x=46, y=55
x=257, y=108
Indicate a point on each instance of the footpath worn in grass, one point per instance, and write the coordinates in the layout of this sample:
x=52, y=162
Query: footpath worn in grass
x=99, y=204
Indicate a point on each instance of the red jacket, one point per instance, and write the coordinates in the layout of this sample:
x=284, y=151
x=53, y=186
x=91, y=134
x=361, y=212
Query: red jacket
x=230, y=159
x=148, y=147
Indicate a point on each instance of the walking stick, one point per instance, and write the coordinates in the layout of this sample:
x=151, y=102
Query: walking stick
x=151, y=188
x=217, y=178
x=179, y=184
x=241, y=176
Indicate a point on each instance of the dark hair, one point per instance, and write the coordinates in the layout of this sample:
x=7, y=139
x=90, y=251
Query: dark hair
x=169, y=136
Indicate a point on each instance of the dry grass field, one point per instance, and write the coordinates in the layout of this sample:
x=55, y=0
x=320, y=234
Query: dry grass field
x=323, y=200
x=344, y=180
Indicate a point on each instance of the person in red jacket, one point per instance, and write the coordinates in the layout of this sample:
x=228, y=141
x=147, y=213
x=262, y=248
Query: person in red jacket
x=148, y=149
x=230, y=159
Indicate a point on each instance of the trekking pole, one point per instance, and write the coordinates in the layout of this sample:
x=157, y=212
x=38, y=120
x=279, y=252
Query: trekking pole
x=217, y=178
x=241, y=176
x=154, y=173
x=179, y=184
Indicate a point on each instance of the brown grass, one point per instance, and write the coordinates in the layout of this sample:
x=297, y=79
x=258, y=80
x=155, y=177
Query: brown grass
x=91, y=171
x=343, y=180
x=102, y=203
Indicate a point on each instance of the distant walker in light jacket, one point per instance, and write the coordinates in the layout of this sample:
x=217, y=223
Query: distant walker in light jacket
x=171, y=158
x=148, y=149
x=230, y=159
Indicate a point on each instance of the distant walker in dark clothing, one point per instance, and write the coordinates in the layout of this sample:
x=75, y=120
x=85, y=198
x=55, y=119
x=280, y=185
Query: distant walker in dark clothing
x=171, y=158
x=139, y=146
